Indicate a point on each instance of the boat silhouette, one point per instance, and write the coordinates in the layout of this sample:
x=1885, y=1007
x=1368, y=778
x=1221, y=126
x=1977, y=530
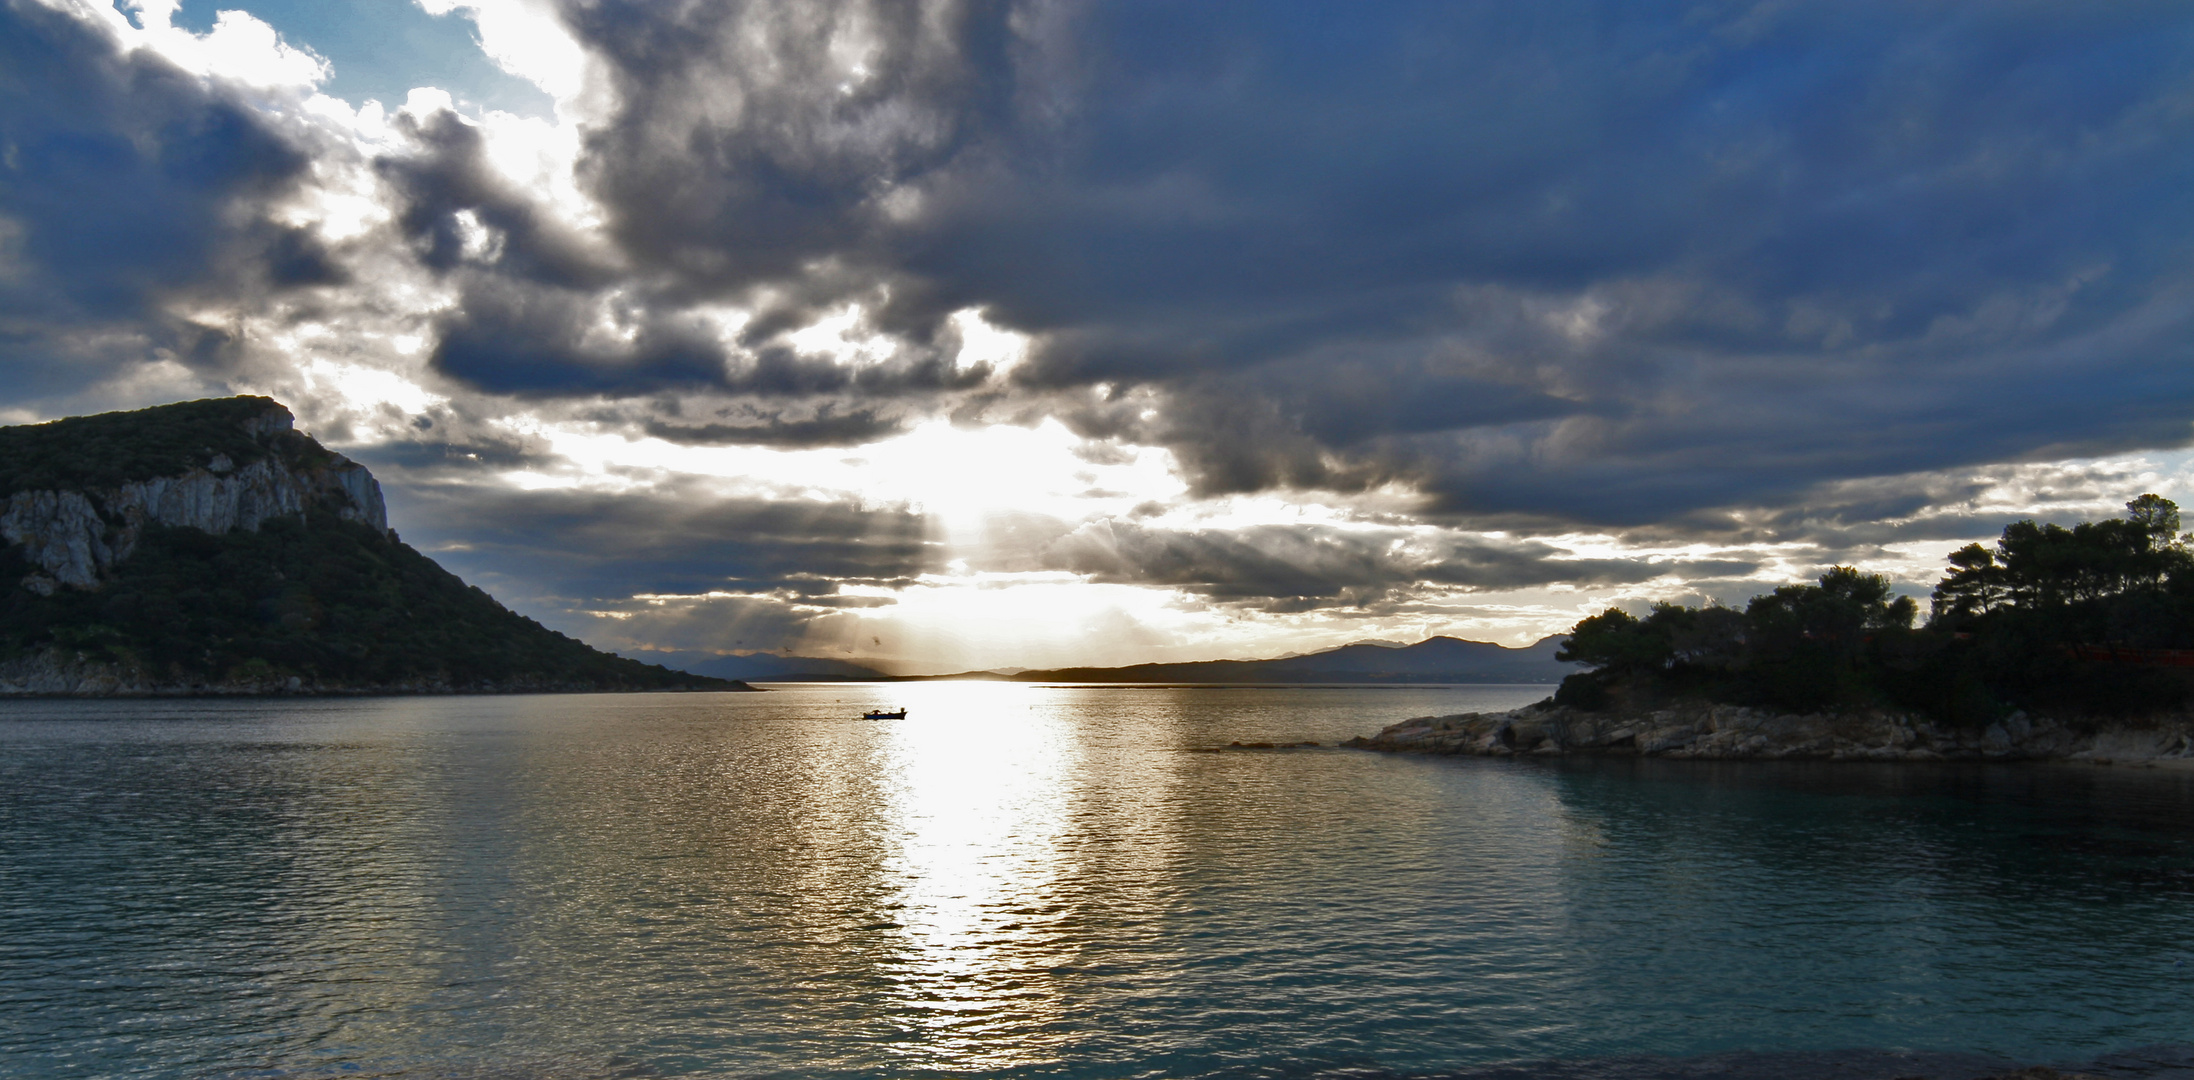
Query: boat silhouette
x=880, y=714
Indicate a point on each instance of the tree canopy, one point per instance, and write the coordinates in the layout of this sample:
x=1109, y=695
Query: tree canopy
x=333, y=603
x=111, y=449
x=2067, y=618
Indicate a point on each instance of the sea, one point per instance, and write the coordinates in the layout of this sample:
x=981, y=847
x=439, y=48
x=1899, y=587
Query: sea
x=1051, y=881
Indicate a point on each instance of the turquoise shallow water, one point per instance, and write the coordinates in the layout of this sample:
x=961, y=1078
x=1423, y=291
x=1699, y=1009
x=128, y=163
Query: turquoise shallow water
x=1045, y=881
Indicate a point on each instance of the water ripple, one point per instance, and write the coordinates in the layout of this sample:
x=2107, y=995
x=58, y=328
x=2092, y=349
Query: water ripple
x=1040, y=882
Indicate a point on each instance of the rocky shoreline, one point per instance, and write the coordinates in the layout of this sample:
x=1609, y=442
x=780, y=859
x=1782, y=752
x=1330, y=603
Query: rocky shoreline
x=51, y=675
x=1705, y=731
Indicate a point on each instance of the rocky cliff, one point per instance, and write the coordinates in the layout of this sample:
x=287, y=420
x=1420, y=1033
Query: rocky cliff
x=1721, y=732
x=76, y=537
x=208, y=547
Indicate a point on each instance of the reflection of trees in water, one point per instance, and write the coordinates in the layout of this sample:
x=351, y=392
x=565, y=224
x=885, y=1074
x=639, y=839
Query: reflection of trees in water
x=2072, y=834
x=1979, y=907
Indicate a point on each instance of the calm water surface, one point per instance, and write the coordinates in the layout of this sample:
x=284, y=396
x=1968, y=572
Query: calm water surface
x=1035, y=882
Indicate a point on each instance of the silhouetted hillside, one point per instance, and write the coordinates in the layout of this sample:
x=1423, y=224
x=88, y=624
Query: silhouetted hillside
x=207, y=547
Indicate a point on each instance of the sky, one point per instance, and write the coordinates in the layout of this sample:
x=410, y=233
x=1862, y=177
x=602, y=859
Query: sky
x=956, y=335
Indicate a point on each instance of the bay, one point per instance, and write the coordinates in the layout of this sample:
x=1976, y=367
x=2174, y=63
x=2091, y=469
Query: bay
x=1046, y=881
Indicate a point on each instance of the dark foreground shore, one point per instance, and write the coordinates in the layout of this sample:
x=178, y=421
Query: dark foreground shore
x=1726, y=732
x=51, y=676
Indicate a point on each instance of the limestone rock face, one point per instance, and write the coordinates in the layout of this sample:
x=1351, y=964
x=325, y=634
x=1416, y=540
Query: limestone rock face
x=1720, y=732
x=158, y=507
x=61, y=534
x=76, y=537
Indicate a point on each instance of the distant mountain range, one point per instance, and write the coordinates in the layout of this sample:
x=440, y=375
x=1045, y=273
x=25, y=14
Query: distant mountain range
x=1434, y=660
x=768, y=667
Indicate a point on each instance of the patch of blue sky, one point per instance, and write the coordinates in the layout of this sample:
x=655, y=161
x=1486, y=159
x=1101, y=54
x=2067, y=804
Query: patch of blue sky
x=382, y=49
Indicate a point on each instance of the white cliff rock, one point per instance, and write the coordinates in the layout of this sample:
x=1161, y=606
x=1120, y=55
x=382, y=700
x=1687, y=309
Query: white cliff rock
x=315, y=605
x=60, y=533
x=76, y=537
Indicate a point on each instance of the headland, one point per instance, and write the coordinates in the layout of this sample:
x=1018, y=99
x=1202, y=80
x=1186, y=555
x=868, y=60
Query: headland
x=209, y=548
x=1718, y=732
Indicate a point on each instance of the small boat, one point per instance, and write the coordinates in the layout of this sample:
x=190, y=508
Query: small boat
x=879, y=714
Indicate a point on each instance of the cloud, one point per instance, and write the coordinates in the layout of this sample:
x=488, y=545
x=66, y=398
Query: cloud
x=1576, y=259
x=753, y=138
x=456, y=206
x=594, y=547
x=127, y=182
x=667, y=569
x=1574, y=295
x=1296, y=567
x=826, y=428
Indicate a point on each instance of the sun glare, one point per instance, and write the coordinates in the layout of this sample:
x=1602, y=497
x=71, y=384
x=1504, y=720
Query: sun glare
x=954, y=474
x=980, y=795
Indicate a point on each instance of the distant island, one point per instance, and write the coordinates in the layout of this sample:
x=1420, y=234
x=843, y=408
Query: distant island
x=773, y=667
x=207, y=547
x=2057, y=643
x=1434, y=660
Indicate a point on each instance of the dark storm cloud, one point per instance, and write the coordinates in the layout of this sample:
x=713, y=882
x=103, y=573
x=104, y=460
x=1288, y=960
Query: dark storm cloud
x=444, y=453
x=756, y=136
x=1587, y=260
x=826, y=428
x=510, y=335
x=540, y=314
x=517, y=337
x=445, y=174
x=125, y=182
x=1708, y=272
x=1856, y=522
x=1296, y=567
x=585, y=548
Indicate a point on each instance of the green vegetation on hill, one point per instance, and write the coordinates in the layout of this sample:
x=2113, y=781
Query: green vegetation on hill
x=2082, y=620
x=332, y=603
x=112, y=449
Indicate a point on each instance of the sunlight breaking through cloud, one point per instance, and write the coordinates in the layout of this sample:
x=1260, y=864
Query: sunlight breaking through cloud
x=949, y=336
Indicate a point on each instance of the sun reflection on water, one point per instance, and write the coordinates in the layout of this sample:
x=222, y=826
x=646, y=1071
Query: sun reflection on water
x=1018, y=881
x=980, y=795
